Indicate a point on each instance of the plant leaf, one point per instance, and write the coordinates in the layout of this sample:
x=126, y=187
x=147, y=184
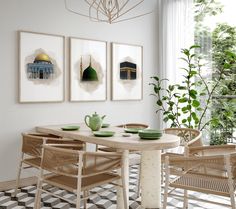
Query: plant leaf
x=196, y=103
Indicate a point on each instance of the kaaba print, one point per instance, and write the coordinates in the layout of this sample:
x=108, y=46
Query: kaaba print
x=128, y=71
x=89, y=73
x=42, y=68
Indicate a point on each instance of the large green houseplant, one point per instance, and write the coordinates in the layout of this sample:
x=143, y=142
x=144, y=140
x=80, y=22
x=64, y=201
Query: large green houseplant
x=186, y=104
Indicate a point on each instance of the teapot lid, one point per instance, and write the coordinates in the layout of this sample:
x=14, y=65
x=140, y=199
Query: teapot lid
x=95, y=114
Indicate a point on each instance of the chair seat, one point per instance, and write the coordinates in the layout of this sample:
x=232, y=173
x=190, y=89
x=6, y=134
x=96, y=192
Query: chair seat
x=203, y=183
x=70, y=183
x=35, y=162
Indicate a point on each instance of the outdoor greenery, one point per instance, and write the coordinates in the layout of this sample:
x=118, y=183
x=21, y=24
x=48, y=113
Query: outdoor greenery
x=223, y=44
x=224, y=41
x=204, y=8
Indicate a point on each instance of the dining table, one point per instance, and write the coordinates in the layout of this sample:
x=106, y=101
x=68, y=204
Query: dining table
x=150, y=156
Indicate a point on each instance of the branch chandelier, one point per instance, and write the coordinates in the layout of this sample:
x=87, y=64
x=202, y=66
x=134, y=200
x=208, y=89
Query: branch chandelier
x=110, y=11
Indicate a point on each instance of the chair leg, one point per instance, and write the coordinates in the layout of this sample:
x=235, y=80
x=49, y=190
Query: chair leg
x=85, y=200
x=18, y=177
x=165, y=168
x=232, y=200
x=185, y=199
x=78, y=193
x=162, y=173
x=124, y=195
x=37, y=202
x=165, y=196
x=123, y=183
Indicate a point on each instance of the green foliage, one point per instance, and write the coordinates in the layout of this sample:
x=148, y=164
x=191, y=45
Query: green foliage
x=181, y=103
x=205, y=8
x=222, y=56
x=223, y=44
x=224, y=112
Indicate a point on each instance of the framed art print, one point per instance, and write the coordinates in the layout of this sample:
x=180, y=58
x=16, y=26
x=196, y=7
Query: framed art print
x=88, y=70
x=127, y=72
x=41, y=67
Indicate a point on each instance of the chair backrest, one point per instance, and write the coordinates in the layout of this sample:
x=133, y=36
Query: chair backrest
x=211, y=150
x=32, y=142
x=189, y=137
x=222, y=166
x=60, y=161
x=67, y=161
x=205, y=165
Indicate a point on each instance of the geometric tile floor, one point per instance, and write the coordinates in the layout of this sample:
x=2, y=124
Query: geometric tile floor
x=106, y=200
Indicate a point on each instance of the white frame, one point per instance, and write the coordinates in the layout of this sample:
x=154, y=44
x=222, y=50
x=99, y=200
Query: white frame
x=82, y=90
x=54, y=46
x=127, y=89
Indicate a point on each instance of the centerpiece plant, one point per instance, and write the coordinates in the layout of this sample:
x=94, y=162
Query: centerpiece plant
x=185, y=104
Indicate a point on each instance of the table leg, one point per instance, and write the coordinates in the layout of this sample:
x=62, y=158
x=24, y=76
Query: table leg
x=151, y=179
x=120, y=201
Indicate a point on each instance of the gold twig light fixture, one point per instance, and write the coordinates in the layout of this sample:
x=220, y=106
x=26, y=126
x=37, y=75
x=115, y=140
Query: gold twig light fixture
x=110, y=11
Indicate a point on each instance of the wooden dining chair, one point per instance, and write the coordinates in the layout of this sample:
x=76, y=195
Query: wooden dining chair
x=191, y=141
x=134, y=155
x=31, y=150
x=195, y=174
x=188, y=138
x=78, y=172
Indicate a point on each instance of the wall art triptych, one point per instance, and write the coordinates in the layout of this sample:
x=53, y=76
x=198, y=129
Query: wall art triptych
x=42, y=69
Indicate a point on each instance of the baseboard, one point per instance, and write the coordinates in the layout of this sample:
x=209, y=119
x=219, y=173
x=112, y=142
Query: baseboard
x=7, y=185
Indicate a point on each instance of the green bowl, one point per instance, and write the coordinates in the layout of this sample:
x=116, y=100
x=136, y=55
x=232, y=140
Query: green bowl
x=150, y=131
x=150, y=134
x=70, y=128
x=149, y=137
x=105, y=125
x=103, y=133
x=132, y=130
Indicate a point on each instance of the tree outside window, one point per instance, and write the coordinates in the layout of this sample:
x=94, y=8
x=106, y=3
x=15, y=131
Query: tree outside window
x=215, y=32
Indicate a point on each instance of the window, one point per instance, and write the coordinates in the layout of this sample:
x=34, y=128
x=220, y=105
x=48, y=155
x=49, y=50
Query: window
x=215, y=32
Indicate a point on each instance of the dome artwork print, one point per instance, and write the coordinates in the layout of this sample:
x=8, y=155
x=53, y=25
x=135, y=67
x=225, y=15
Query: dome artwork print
x=42, y=68
x=89, y=73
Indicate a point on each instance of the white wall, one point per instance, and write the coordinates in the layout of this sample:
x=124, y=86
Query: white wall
x=49, y=16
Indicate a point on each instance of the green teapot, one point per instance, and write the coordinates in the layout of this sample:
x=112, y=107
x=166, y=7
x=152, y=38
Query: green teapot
x=94, y=122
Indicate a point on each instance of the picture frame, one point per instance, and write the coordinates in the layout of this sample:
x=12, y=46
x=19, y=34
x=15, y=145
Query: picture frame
x=127, y=72
x=41, y=67
x=88, y=70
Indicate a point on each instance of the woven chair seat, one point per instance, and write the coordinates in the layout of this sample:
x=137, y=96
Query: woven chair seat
x=203, y=183
x=70, y=183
